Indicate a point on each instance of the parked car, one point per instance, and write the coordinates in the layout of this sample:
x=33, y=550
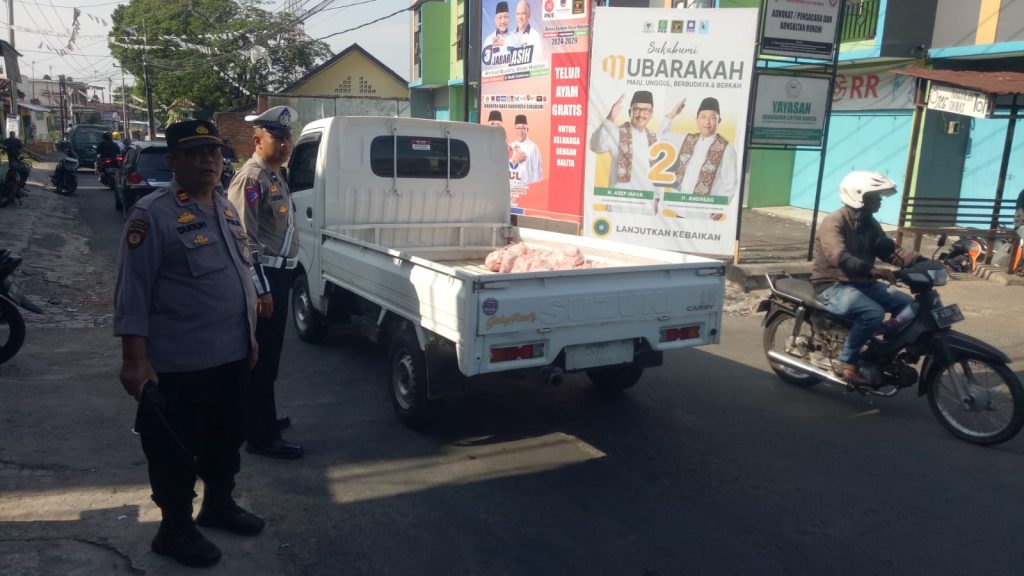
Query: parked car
x=84, y=138
x=144, y=170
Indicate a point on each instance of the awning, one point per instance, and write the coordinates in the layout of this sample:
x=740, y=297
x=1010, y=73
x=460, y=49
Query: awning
x=997, y=83
x=34, y=107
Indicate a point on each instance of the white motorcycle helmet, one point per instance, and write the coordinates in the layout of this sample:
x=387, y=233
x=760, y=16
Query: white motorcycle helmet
x=858, y=183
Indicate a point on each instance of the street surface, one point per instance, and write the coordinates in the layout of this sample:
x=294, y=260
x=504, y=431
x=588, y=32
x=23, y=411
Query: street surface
x=711, y=465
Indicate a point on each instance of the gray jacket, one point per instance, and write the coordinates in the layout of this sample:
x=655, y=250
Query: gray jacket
x=185, y=282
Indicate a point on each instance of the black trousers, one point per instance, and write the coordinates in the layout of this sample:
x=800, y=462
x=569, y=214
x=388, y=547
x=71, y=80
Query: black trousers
x=261, y=409
x=199, y=435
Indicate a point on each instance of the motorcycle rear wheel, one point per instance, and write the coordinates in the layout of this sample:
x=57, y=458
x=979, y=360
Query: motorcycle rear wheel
x=12, y=330
x=992, y=384
x=776, y=335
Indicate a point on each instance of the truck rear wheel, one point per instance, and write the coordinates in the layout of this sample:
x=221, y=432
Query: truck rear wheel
x=407, y=378
x=311, y=325
x=615, y=379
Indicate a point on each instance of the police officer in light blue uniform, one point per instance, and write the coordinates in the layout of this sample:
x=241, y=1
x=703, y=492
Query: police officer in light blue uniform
x=185, y=309
x=260, y=193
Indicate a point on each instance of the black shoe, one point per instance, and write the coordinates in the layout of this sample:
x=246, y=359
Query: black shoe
x=186, y=545
x=278, y=448
x=232, y=518
x=284, y=422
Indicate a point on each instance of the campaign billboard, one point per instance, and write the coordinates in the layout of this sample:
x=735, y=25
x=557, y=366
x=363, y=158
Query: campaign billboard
x=669, y=92
x=533, y=80
x=790, y=110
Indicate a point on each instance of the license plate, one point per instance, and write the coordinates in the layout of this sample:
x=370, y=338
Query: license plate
x=601, y=354
x=947, y=316
x=110, y=169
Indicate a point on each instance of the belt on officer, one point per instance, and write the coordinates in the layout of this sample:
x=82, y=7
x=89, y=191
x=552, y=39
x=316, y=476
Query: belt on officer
x=279, y=262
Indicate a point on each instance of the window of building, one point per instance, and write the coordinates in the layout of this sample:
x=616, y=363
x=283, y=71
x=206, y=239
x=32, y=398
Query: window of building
x=418, y=157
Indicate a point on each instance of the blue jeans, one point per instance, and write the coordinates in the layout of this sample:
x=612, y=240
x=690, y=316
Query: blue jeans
x=865, y=306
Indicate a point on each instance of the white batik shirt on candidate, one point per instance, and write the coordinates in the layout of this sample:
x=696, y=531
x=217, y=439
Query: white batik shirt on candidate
x=530, y=38
x=606, y=140
x=726, y=179
x=529, y=170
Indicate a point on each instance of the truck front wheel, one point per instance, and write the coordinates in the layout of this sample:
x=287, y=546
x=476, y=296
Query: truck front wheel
x=311, y=325
x=615, y=379
x=407, y=377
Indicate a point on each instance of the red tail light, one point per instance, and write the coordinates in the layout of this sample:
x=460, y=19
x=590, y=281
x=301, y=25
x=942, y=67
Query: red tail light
x=120, y=159
x=135, y=178
x=510, y=353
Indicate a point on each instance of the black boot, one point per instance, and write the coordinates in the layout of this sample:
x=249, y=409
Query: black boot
x=183, y=542
x=219, y=510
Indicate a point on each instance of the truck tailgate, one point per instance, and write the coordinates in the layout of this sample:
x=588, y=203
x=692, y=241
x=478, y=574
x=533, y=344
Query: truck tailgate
x=557, y=311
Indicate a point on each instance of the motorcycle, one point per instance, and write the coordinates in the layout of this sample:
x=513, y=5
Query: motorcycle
x=107, y=169
x=65, y=177
x=13, y=186
x=967, y=252
x=12, y=325
x=970, y=388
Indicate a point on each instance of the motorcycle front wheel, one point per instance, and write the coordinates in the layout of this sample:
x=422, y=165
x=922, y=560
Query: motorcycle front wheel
x=12, y=330
x=993, y=411
x=776, y=337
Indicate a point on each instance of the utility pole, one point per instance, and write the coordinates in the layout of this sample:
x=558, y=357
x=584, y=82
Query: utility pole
x=14, y=81
x=149, y=89
x=465, y=58
x=124, y=104
x=63, y=121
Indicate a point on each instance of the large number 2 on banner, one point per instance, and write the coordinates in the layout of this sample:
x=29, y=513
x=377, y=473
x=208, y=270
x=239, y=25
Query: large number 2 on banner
x=663, y=156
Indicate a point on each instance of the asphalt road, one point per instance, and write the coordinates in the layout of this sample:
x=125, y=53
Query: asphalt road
x=711, y=465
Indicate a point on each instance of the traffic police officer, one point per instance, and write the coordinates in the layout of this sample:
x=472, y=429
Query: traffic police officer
x=185, y=309
x=260, y=193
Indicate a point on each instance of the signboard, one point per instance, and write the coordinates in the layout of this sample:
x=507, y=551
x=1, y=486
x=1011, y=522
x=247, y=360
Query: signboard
x=669, y=91
x=800, y=28
x=534, y=69
x=872, y=89
x=789, y=110
x=959, y=101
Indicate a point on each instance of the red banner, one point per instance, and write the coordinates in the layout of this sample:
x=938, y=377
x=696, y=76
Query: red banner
x=534, y=73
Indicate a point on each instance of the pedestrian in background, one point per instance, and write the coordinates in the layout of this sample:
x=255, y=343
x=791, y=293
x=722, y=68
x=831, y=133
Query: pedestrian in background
x=185, y=309
x=260, y=193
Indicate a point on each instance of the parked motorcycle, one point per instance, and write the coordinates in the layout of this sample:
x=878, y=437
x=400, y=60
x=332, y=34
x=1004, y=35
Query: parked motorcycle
x=970, y=388
x=65, y=177
x=12, y=325
x=967, y=252
x=13, y=186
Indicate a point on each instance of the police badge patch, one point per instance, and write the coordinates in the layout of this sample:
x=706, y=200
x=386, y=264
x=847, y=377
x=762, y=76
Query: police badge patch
x=136, y=233
x=252, y=194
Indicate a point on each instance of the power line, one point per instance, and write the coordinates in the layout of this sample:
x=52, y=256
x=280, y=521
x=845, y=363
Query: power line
x=382, y=18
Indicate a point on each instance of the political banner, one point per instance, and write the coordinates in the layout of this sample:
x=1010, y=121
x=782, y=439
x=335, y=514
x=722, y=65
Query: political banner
x=800, y=28
x=669, y=92
x=533, y=78
x=789, y=110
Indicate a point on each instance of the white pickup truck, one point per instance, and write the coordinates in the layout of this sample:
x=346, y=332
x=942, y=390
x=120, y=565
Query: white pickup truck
x=395, y=217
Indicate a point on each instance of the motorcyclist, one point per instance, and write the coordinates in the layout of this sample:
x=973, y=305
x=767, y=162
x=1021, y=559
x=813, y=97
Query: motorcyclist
x=12, y=144
x=107, y=148
x=844, y=274
x=117, y=140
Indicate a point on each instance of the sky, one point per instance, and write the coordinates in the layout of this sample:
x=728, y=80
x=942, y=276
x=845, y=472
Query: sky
x=90, y=60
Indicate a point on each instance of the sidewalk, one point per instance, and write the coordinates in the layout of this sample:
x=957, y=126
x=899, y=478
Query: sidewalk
x=778, y=238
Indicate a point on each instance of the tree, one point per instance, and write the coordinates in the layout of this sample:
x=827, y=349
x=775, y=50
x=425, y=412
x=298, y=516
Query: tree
x=201, y=50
